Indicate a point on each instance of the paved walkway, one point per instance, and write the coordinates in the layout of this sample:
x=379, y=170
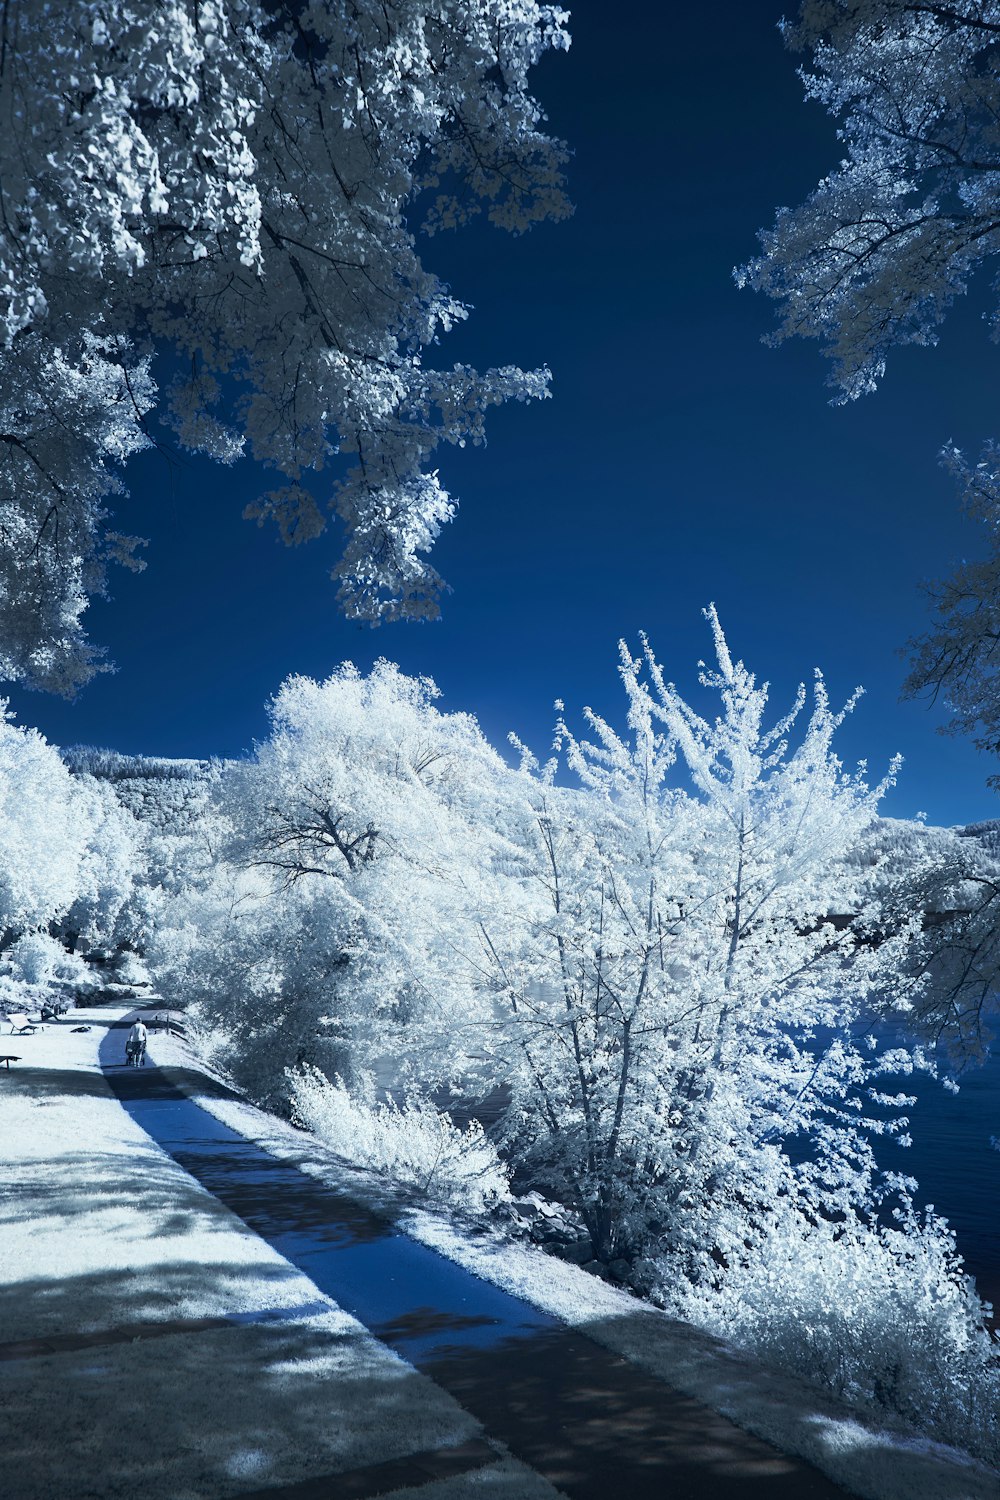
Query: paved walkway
x=594, y=1425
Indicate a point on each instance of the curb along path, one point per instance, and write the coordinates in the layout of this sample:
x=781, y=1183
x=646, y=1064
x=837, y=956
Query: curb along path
x=589, y=1421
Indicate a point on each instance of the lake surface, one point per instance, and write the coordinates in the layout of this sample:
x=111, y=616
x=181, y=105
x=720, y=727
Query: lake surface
x=957, y=1169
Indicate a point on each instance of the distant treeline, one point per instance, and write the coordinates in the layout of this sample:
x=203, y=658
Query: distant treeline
x=111, y=765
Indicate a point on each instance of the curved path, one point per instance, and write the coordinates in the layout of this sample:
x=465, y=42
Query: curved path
x=593, y=1424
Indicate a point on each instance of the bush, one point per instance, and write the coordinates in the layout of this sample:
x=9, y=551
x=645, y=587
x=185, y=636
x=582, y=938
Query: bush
x=884, y=1318
x=131, y=970
x=413, y=1144
x=38, y=960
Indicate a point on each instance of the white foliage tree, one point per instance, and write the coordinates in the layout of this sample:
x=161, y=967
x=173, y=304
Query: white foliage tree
x=878, y=252
x=686, y=951
x=238, y=181
x=945, y=883
x=674, y=1000
x=256, y=970
x=324, y=936
x=70, y=414
x=955, y=661
x=112, y=868
x=46, y=825
x=153, y=835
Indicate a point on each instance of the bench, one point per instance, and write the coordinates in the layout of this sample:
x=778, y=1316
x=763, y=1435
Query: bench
x=21, y=1024
x=164, y=1022
x=7, y=1058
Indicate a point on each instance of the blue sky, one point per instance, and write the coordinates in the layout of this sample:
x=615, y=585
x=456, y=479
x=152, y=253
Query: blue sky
x=679, y=461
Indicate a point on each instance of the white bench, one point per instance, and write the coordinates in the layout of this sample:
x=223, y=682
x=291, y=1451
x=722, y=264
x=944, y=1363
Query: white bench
x=22, y=1024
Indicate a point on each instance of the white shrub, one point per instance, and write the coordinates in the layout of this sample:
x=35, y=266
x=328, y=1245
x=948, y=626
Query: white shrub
x=40, y=960
x=45, y=825
x=884, y=1318
x=414, y=1144
x=130, y=969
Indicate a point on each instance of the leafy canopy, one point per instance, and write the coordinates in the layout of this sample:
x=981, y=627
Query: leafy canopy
x=238, y=182
x=876, y=254
x=878, y=251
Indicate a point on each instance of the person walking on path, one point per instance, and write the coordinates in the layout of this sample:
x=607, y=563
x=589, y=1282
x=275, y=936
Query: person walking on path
x=135, y=1045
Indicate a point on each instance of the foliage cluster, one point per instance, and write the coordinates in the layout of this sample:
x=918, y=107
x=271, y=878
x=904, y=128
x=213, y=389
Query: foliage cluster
x=877, y=253
x=238, y=183
x=882, y=1316
x=411, y=1143
x=69, y=851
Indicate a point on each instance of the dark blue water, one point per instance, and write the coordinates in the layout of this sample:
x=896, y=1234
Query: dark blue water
x=954, y=1164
